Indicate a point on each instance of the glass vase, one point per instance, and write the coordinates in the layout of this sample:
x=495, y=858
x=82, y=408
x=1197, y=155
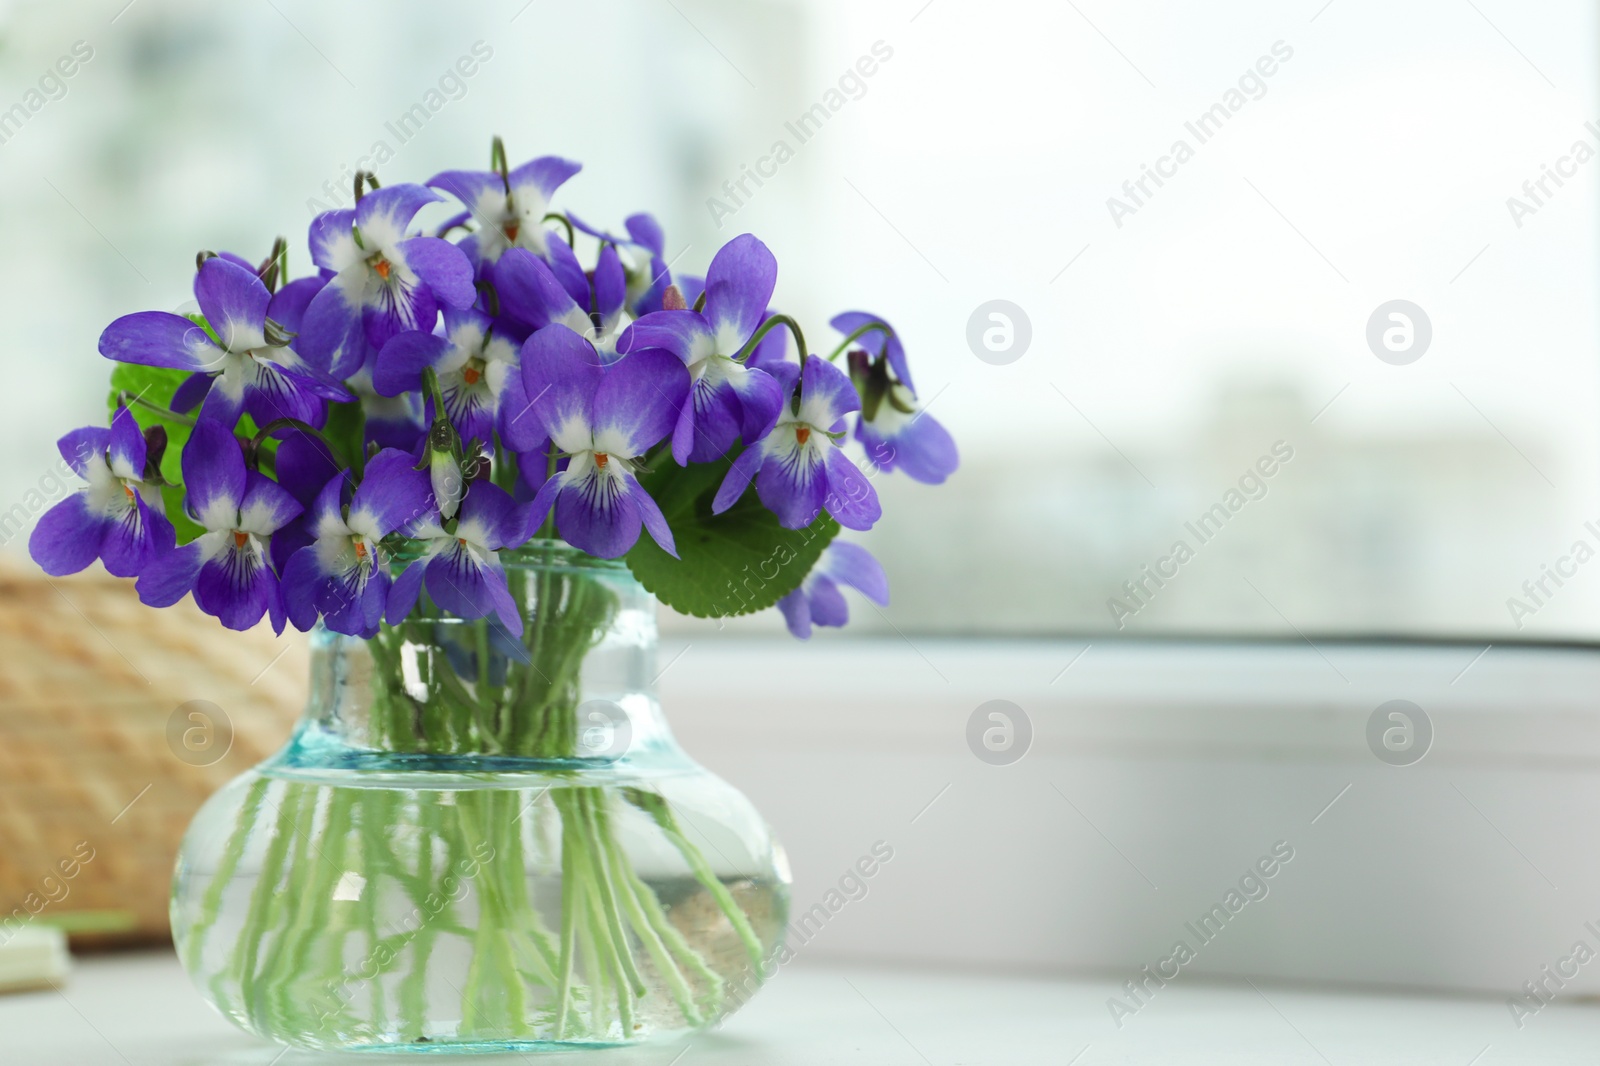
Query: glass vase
x=477, y=841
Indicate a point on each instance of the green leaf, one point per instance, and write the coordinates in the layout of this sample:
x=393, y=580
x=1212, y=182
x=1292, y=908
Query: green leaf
x=153, y=385
x=345, y=431
x=200, y=320
x=735, y=563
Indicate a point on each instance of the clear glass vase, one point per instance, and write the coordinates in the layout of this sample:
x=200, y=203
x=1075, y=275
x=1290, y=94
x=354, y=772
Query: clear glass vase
x=482, y=842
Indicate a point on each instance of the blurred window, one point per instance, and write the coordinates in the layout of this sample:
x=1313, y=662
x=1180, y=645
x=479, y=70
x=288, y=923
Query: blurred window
x=1204, y=214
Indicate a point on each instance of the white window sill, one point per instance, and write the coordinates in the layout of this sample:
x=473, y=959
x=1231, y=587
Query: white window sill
x=141, y=1008
x=1159, y=773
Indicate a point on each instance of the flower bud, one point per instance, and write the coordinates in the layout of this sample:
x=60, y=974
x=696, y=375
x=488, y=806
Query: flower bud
x=270, y=268
x=444, y=468
x=871, y=378
x=155, y=447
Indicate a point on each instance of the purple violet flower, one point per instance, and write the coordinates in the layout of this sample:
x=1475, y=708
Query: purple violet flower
x=227, y=568
x=605, y=418
x=254, y=370
x=533, y=469
x=897, y=433
x=510, y=211
x=117, y=517
x=342, y=574
x=730, y=398
x=905, y=437
x=649, y=277
x=383, y=281
x=462, y=568
x=301, y=465
x=534, y=294
x=388, y=421
x=644, y=252
x=287, y=309
x=819, y=601
x=478, y=377
x=798, y=468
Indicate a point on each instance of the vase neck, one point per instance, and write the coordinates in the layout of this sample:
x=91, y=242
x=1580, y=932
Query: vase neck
x=574, y=686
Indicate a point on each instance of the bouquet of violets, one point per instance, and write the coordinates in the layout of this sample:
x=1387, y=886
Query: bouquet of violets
x=339, y=447
x=432, y=450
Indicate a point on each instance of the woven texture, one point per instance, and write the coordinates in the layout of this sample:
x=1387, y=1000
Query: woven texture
x=90, y=679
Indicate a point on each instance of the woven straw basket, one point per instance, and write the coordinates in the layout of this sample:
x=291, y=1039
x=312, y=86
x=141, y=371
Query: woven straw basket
x=100, y=757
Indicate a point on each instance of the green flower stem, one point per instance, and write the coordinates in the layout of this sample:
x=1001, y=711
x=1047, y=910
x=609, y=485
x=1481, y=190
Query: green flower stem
x=548, y=529
x=572, y=237
x=504, y=472
x=557, y=642
x=588, y=800
x=596, y=971
x=527, y=737
x=321, y=957
x=628, y=892
x=308, y=930
x=657, y=920
x=600, y=912
x=605, y=953
x=655, y=805
x=252, y=935
x=770, y=324
x=253, y=445
x=158, y=410
x=492, y=1000
x=569, y=930
x=480, y=632
x=880, y=327
x=211, y=902
x=411, y=997
x=373, y=823
x=495, y=998
x=497, y=161
x=543, y=954
x=395, y=715
x=268, y=1002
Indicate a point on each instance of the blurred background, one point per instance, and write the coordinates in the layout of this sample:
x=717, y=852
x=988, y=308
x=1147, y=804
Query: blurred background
x=1170, y=343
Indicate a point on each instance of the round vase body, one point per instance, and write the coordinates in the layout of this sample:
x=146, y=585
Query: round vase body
x=480, y=840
